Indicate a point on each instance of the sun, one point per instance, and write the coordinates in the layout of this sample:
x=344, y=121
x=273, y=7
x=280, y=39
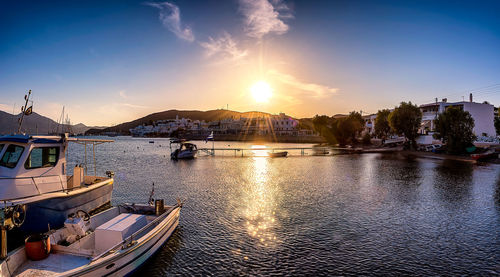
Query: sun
x=261, y=92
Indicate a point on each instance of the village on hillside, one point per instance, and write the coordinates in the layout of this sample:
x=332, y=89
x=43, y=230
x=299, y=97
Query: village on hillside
x=281, y=125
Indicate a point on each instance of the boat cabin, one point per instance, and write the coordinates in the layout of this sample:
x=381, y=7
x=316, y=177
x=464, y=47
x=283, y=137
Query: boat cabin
x=188, y=146
x=35, y=165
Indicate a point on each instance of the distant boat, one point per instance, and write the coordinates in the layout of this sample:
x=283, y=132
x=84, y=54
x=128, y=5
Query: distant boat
x=151, y=141
x=33, y=181
x=491, y=153
x=320, y=150
x=278, y=154
x=112, y=243
x=185, y=151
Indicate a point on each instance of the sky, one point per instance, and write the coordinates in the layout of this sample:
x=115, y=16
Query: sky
x=109, y=62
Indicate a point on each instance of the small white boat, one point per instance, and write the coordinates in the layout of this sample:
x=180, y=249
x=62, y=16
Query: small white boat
x=185, y=151
x=278, y=154
x=112, y=243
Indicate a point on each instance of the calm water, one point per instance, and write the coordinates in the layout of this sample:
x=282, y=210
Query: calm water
x=338, y=215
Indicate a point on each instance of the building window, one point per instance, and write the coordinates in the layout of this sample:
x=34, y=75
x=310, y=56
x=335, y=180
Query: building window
x=11, y=156
x=42, y=157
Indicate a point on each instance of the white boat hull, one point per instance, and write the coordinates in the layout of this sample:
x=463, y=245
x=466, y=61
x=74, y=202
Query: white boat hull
x=121, y=260
x=130, y=262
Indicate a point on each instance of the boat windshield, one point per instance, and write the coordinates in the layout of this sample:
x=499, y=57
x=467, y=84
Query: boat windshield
x=42, y=157
x=1, y=147
x=11, y=156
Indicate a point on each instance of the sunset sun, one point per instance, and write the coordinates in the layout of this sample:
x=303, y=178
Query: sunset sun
x=261, y=92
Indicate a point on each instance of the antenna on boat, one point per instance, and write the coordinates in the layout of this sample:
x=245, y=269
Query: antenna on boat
x=25, y=110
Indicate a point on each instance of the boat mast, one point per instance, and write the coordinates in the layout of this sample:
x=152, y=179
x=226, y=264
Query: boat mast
x=23, y=110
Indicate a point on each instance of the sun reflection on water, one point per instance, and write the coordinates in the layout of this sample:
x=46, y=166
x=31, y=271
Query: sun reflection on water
x=261, y=204
x=260, y=151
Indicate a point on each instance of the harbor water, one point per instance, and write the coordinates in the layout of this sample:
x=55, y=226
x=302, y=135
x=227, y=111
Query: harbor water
x=369, y=214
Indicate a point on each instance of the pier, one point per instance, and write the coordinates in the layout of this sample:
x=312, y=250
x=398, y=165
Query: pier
x=303, y=150
x=241, y=151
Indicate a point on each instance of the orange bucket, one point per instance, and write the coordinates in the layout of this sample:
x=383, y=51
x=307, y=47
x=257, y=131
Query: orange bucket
x=37, y=247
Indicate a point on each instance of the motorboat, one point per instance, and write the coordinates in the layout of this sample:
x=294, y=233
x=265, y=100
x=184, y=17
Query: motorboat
x=34, y=181
x=488, y=154
x=114, y=242
x=278, y=154
x=320, y=150
x=186, y=150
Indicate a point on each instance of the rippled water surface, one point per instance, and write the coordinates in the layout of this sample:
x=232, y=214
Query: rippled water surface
x=313, y=215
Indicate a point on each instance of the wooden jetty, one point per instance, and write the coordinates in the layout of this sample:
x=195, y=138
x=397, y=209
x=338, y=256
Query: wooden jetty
x=241, y=151
x=303, y=150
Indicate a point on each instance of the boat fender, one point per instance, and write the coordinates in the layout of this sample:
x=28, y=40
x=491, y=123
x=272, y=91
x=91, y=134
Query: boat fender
x=37, y=247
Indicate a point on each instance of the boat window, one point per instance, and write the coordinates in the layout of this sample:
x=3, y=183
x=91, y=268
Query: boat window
x=42, y=157
x=11, y=156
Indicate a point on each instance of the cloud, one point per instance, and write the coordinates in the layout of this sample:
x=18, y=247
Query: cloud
x=170, y=17
x=262, y=17
x=122, y=94
x=309, y=89
x=6, y=108
x=225, y=46
x=133, y=106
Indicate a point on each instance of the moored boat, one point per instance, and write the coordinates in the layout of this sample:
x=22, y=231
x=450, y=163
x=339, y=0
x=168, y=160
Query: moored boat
x=320, y=150
x=278, y=154
x=33, y=175
x=489, y=154
x=186, y=150
x=112, y=243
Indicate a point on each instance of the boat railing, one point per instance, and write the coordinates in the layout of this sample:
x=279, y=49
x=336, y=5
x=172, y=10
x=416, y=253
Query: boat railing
x=67, y=190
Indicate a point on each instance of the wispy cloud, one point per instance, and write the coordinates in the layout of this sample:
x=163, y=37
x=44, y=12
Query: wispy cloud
x=133, y=106
x=6, y=108
x=309, y=89
x=170, y=17
x=123, y=94
x=262, y=17
x=224, y=46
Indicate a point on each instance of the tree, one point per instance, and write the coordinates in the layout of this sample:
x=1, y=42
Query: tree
x=382, y=127
x=346, y=129
x=356, y=125
x=367, y=139
x=454, y=127
x=405, y=120
x=497, y=125
x=321, y=124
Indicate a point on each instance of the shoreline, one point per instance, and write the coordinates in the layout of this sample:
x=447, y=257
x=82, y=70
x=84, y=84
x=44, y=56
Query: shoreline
x=255, y=138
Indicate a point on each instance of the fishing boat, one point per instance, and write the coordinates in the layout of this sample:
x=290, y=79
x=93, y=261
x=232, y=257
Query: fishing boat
x=278, y=154
x=489, y=154
x=320, y=150
x=114, y=242
x=33, y=176
x=186, y=150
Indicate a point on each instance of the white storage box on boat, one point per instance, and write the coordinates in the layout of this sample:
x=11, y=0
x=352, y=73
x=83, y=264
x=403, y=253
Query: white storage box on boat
x=76, y=226
x=114, y=231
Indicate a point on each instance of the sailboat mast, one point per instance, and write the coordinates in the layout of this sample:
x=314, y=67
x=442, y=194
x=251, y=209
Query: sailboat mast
x=23, y=109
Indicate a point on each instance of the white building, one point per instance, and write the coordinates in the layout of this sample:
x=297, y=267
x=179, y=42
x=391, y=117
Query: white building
x=482, y=113
x=369, y=124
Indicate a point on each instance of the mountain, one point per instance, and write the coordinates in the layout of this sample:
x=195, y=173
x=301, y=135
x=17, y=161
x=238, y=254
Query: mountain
x=37, y=124
x=212, y=115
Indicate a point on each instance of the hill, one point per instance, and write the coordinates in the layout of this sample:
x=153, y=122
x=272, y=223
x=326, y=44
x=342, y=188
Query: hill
x=212, y=115
x=37, y=124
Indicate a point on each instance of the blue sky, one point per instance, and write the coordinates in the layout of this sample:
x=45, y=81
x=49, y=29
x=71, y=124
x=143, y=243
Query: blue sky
x=113, y=61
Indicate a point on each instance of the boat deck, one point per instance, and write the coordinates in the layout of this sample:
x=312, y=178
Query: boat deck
x=53, y=265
